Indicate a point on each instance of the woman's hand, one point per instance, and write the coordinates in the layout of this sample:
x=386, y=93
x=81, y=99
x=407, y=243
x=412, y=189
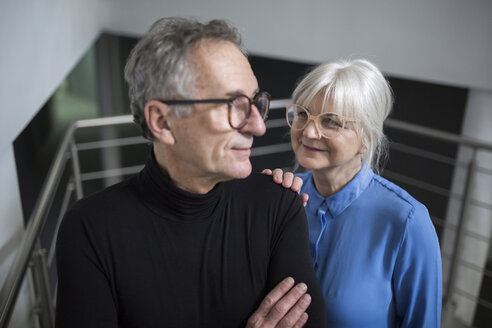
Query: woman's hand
x=287, y=180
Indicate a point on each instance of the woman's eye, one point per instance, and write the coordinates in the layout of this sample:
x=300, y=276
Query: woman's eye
x=330, y=123
x=302, y=115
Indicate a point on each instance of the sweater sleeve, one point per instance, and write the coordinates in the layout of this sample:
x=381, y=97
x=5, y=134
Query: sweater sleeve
x=417, y=279
x=84, y=296
x=291, y=256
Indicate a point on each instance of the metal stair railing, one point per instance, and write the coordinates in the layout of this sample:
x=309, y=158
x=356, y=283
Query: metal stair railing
x=30, y=247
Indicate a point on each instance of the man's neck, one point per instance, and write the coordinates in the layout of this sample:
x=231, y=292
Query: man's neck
x=181, y=175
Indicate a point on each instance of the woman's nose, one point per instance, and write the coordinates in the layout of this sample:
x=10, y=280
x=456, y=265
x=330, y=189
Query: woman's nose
x=311, y=131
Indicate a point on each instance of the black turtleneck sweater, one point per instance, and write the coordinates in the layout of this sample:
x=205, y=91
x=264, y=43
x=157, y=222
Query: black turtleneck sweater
x=144, y=253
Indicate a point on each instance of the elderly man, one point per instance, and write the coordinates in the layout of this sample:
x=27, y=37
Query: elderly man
x=191, y=241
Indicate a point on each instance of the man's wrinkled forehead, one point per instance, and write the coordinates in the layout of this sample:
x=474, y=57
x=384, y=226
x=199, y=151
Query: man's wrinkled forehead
x=222, y=65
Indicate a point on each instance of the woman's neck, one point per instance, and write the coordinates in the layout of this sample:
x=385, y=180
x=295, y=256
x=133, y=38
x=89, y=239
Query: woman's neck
x=329, y=181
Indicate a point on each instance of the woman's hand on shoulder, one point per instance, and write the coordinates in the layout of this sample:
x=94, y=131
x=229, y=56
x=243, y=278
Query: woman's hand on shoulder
x=287, y=180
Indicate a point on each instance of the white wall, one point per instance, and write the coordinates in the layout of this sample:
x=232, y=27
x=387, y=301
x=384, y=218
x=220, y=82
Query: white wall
x=446, y=41
x=40, y=43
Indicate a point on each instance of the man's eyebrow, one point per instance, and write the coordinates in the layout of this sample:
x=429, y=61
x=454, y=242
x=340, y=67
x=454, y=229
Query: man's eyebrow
x=255, y=92
x=239, y=92
x=234, y=93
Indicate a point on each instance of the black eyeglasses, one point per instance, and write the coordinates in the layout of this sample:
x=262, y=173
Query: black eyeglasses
x=239, y=107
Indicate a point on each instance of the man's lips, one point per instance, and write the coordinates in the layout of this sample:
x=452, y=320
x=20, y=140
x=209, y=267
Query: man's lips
x=241, y=148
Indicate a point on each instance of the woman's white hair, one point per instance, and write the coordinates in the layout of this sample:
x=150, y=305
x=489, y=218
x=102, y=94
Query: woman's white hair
x=357, y=90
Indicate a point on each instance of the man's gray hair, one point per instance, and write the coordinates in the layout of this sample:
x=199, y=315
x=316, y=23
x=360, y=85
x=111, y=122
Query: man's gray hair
x=357, y=90
x=159, y=67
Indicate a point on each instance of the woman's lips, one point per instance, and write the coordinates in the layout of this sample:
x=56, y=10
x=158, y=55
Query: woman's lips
x=313, y=149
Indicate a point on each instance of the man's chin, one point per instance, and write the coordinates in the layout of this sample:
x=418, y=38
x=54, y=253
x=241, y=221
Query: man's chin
x=242, y=171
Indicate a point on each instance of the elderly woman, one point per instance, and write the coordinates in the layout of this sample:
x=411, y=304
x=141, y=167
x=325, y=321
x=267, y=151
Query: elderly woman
x=374, y=248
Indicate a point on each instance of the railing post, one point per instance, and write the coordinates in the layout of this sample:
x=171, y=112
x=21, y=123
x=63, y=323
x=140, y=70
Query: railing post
x=76, y=169
x=462, y=224
x=46, y=312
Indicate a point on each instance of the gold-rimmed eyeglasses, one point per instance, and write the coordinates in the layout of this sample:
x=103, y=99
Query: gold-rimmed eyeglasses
x=327, y=124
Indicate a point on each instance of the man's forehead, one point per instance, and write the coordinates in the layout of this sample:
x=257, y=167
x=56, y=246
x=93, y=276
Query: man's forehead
x=220, y=64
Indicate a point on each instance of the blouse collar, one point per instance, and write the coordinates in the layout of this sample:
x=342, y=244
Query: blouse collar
x=338, y=202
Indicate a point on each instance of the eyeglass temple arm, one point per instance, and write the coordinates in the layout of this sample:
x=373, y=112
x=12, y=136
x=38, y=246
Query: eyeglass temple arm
x=198, y=101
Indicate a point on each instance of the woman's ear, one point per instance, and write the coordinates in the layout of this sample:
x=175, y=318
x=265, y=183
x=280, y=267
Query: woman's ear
x=158, y=115
x=363, y=146
x=363, y=141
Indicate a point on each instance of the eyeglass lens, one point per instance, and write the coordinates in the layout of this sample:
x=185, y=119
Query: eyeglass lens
x=329, y=124
x=241, y=108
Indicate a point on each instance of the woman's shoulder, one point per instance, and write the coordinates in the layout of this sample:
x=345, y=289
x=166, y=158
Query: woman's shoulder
x=396, y=198
x=304, y=175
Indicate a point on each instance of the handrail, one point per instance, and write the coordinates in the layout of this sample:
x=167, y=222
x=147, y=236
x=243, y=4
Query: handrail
x=13, y=282
x=102, y=121
x=16, y=274
x=437, y=134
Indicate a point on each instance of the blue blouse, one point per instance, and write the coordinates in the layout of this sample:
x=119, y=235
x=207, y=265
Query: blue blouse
x=376, y=254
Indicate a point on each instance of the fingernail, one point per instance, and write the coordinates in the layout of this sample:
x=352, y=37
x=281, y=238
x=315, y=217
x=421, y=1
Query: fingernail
x=306, y=299
x=302, y=287
x=289, y=280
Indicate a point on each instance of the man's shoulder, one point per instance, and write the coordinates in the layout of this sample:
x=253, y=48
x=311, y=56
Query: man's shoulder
x=103, y=202
x=102, y=213
x=259, y=183
x=259, y=189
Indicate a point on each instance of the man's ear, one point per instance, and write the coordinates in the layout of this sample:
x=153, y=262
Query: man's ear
x=157, y=115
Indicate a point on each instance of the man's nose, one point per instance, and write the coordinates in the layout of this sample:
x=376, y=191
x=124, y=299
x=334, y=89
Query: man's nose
x=311, y=130
x=256, y=124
